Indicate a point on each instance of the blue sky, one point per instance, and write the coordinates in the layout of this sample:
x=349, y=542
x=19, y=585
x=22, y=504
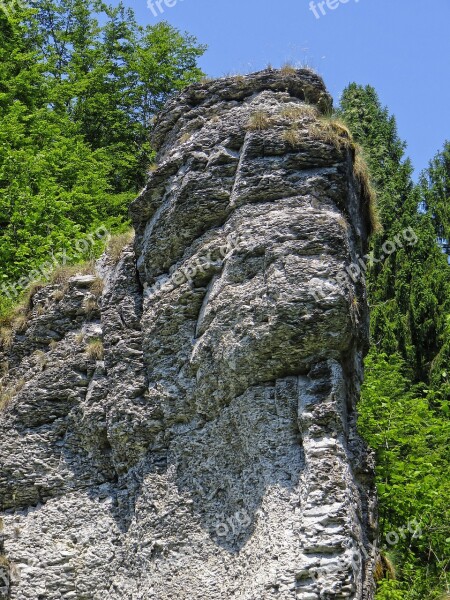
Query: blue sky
x=400, y=47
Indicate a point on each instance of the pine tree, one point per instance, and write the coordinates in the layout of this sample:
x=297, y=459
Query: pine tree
x=408, y=287
x=404, y=407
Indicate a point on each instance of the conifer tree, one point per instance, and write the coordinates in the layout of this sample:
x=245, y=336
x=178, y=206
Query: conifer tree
x=404, y=407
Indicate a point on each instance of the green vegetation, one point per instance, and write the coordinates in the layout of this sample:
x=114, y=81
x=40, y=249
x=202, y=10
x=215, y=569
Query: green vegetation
x=80, y=82
x=76, y=103
x=404, y=412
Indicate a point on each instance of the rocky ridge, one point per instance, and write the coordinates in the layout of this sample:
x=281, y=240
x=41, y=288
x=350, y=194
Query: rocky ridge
x=188, y=428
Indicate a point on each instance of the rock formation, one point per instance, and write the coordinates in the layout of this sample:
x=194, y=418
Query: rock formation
x=189, y=432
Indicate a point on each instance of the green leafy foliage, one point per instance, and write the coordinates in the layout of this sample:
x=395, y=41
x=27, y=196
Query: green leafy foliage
x=76, y=104
x=410, y=438
x=404, y=408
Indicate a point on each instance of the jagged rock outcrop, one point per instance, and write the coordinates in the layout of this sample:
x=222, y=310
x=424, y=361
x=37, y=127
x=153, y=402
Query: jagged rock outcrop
x=212, y=451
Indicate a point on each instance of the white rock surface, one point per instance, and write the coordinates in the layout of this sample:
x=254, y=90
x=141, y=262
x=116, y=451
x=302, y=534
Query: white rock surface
x=213, y=453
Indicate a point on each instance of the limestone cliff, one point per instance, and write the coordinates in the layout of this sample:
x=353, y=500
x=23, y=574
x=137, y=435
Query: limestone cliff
x=188, y=431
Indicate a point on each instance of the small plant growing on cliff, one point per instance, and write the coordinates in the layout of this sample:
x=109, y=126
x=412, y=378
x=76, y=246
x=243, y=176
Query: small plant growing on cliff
x=79, y=338
x=117, y=243
x=95, y=349
x=15, y=321
x=299, y=111
x=291, y=136
x=5, y=399
x=40, y=358
x=332, y=131
x=288, y=69
x=30, y=292
x=97, y=286
x=58, y=295
x=185, y=138
x=62, y=274
x=90, y=306
x=20, y=322
x=343, y=222
x=385, y=568
x=259, y=121
x=7, y=394
x=362, y=175
x=6, y=337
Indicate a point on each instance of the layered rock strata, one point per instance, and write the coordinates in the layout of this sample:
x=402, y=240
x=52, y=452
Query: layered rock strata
x=189, y=432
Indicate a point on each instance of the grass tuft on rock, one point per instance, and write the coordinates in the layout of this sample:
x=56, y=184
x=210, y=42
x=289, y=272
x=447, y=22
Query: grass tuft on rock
x=299, y=111
x=259, y=121
x=288, y=69
x=8, y=393
x=117, y=243
x=291, y=136
x=334, y=131
x=368, y=192
x=95, y=349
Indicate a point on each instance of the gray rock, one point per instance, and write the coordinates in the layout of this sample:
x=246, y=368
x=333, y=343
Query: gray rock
x=212, y=451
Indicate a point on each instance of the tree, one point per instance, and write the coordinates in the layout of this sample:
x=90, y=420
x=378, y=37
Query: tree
x=408, y=289
x=435, y=188
x=76, y=103
x=404, y=407
x=413, y=476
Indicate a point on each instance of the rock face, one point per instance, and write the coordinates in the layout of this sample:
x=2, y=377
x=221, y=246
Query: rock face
x=212, y=452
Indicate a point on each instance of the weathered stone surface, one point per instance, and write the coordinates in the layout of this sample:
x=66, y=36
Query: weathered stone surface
x=212, y=453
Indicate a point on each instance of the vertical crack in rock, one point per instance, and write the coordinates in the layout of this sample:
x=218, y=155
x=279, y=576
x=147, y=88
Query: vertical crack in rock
x=212, y=452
